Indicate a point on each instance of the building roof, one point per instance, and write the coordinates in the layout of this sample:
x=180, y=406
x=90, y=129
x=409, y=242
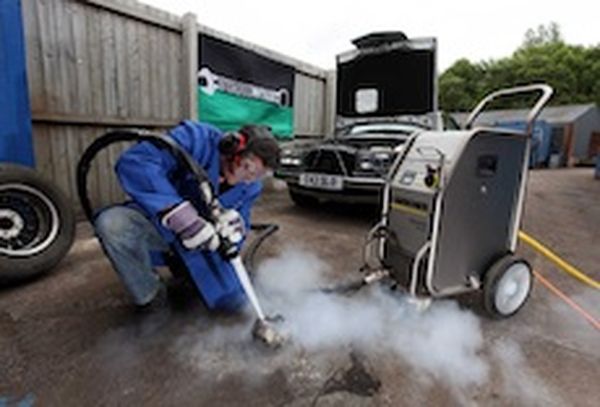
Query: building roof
x=553, y=115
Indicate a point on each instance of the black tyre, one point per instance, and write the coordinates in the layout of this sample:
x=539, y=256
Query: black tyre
x=37, y=224
x=301, y=199
x=507, y=286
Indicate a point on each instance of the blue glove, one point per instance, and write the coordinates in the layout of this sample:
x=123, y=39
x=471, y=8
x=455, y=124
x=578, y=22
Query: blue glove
x=193, y=231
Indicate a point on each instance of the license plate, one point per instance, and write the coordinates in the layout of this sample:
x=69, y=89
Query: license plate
x=322, y=181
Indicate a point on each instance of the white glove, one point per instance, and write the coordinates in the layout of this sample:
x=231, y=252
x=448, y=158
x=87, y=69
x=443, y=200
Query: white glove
x=205, y=239
x=230, y=226
x=193, y=231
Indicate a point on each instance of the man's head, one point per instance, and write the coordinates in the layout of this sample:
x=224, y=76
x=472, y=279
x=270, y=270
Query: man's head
x=248, y=154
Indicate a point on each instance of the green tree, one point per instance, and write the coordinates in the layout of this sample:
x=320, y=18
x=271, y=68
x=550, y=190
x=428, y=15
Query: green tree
x=459, y=84
x=573, y=71
x=543, y=35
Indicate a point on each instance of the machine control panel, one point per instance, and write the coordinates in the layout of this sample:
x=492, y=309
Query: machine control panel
x=432, y=179
x=429, y=155
x=408, y=177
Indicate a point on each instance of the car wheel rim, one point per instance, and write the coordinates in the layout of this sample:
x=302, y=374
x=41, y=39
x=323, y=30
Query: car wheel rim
x=29, y=221
x=512, y=289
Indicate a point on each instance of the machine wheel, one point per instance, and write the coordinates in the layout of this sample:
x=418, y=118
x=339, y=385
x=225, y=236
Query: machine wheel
x=37, y=224
x=301, y=199
x=507, y=286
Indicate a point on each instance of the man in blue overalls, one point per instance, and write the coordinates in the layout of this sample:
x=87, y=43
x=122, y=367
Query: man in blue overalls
x=167, y=209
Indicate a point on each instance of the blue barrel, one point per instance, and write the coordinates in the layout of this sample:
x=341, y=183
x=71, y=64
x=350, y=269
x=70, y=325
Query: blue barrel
x=15, y=115
x=541, y=141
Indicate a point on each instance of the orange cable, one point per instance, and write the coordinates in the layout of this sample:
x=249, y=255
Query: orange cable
x=568, y=300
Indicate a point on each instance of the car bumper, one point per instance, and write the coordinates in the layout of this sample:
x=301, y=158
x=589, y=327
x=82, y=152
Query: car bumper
x=354, y=190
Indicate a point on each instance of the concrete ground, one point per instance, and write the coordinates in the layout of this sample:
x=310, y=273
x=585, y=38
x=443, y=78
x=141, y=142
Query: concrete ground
x=72, y=339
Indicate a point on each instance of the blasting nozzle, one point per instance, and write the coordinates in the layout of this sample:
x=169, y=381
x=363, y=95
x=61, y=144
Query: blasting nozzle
x=264, y=332
x=421, y=304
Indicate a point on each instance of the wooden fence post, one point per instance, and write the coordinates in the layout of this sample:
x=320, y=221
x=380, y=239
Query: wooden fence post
x=190, y=66
x=330, y=103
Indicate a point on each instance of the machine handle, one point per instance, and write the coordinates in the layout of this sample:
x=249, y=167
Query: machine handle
x=546, y=91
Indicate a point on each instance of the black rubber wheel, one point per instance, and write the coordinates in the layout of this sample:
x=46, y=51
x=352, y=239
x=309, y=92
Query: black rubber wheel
x=507, y=286
x=302, y=200
x=37, y=224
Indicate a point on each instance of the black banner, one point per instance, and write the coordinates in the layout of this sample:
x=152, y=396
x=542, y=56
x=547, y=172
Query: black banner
x=238, y=86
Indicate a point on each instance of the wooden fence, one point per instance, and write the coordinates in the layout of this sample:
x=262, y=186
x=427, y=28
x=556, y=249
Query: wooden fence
x=94, y=65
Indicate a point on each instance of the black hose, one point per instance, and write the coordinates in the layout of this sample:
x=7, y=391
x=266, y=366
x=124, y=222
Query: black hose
x=102, y=142
x=83, y=167
x=265, y=231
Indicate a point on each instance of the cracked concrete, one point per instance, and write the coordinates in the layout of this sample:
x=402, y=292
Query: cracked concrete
x=71, y=338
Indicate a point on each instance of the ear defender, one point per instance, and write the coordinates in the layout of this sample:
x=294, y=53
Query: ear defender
x=232, y=144
x=228, y=145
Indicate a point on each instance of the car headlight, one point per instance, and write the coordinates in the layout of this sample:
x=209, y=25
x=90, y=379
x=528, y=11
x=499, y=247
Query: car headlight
x=377, y=161
x=295, y=161
x=382, y=156
x=365, y=161
x=365, y=165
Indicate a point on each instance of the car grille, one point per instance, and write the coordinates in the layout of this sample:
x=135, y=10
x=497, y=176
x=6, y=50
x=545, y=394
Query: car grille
x=329, y=162
x=349, y=160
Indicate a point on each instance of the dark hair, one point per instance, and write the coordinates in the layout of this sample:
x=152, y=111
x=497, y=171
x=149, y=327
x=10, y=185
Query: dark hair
x=261, y=143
